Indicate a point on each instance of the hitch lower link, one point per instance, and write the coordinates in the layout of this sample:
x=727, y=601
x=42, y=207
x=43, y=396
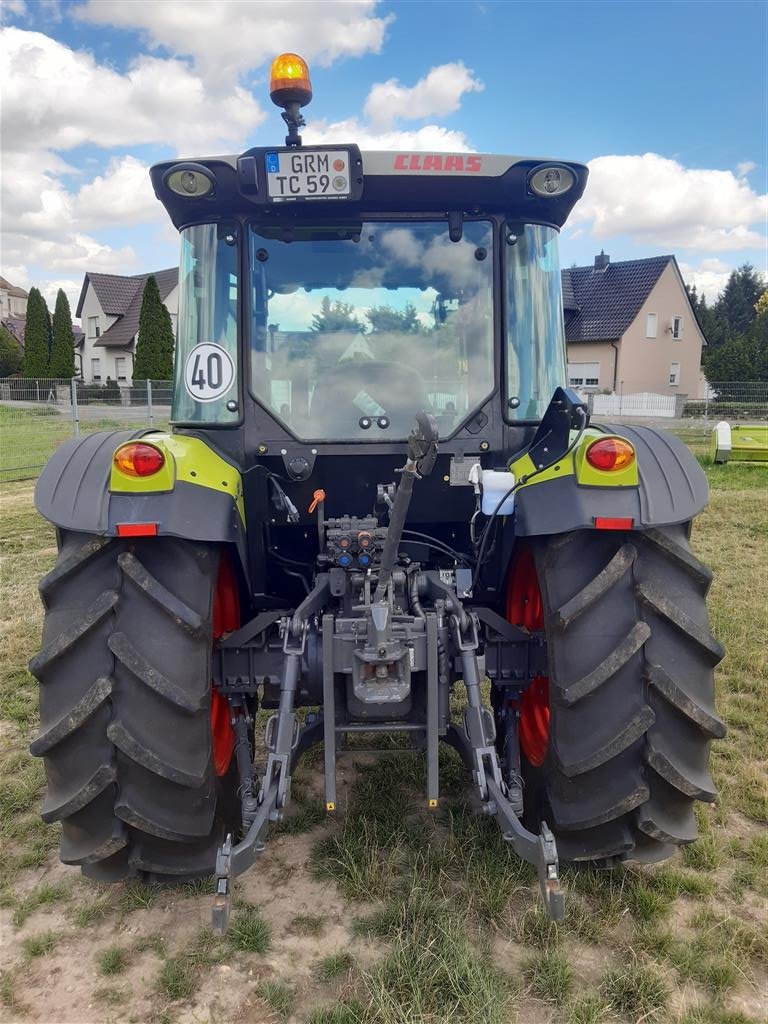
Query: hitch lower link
x=475, y=743
x=283, y=745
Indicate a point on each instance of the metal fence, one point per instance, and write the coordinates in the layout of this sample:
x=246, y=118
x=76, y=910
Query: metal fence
x=36, y=416
x=692, y=419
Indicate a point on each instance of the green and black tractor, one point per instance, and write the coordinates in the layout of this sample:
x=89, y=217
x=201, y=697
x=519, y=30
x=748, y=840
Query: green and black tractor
x=377, y=489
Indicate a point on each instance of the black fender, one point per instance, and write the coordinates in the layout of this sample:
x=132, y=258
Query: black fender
x=73, y=493
x=672, y=489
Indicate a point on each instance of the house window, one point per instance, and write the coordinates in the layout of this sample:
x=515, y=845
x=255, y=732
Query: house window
x=650, y=325
x=677, y=328
x=120, y=364
x=584, y=375
x=95, y=369
x=94, y=331
x=674, y=374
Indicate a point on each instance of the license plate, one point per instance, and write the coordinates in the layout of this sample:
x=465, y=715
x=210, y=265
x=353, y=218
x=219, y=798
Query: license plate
x=308, y=174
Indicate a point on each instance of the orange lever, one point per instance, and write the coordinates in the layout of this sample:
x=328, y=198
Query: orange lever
x=317, y=497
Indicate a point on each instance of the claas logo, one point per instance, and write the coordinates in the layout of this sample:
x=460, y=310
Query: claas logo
x=438, y=163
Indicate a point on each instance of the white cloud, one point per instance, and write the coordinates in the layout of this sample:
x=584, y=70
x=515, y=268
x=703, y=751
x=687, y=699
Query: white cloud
x=71, y=290
x=709, y=276
x=68, y=254
x=63, y=96
x=122, y=195
x=36, y=202
x=745, y=167
x=437, y=94
x=226, y=38
x=657, y=201
x=429, y=138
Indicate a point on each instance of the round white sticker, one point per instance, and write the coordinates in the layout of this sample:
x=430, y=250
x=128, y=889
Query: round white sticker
x=208, y=372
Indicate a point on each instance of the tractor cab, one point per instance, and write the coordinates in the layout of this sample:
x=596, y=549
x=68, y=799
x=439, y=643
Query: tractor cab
x=328, y=294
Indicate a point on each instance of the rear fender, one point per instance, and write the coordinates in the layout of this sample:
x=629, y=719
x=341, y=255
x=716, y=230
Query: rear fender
x=669, y=487
x=197, y=496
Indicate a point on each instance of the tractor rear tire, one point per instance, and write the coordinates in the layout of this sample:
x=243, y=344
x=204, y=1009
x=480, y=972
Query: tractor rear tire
x=125, y=707
x=631, y=693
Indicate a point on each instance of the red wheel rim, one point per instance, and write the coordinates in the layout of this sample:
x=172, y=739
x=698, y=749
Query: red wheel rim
x=226, y=618
x=524, y=608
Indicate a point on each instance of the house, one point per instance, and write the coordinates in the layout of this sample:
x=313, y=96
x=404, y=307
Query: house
x=630, y=328
x=13, y=301
x=109, y=308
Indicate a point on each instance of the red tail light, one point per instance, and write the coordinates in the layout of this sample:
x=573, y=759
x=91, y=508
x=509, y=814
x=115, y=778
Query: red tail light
x=610, y=453
x=139, y=459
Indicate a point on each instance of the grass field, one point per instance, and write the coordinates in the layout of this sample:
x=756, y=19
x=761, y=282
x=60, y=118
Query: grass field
x=389, y=916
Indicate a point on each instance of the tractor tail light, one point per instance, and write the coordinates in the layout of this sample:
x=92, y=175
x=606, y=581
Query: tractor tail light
x=610, y=454
x=138, y=459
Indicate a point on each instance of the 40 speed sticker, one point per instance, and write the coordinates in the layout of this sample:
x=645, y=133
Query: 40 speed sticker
x=208, y=372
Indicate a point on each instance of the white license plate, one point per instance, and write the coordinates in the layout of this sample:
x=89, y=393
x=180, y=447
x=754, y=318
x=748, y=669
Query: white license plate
x=308, y=174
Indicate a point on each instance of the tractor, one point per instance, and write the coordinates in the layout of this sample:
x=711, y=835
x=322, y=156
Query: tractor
x=378, y=492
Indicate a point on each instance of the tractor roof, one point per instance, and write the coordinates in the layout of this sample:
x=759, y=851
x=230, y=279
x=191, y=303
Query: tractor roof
x=390, y=182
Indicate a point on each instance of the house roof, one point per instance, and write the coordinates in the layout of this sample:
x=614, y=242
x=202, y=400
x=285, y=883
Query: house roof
x=601, y=304
x=16, y=326
x=121, y=297
x=12, y=289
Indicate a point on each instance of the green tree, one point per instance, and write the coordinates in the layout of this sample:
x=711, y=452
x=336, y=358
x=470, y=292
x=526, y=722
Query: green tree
x=62, y=339
x=732, y=361
x=37, y=336
x=336, y=316
x=387, y=318
x=742, y=357
x=735, y=306
x=10, y=353
x=154, y=347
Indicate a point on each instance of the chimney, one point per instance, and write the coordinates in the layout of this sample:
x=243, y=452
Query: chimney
x=601, y=262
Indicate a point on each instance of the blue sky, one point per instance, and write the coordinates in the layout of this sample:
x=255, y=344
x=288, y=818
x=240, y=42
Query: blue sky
x=666, y=101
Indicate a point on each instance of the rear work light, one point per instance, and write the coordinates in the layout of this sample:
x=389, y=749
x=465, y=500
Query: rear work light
x=136, y=458
x=610, y=454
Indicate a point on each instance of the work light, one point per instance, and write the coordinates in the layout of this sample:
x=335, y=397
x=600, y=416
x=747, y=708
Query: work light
x=551, y=181
x=189, y=180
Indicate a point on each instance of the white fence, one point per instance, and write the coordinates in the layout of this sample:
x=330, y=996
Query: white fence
x=646, y=403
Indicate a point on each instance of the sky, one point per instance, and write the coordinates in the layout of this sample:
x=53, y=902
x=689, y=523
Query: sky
x=666, y=101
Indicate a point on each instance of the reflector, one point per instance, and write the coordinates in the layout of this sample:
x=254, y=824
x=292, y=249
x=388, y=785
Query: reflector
x=137, y=529
x=614, y=523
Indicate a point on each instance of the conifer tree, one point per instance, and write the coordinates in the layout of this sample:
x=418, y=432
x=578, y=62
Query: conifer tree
x=37, y=336
x=62, y=340
x=154, y=346
x=10, y=353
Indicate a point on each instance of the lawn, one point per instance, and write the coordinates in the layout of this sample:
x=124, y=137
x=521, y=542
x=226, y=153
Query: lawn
x=388, y=915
